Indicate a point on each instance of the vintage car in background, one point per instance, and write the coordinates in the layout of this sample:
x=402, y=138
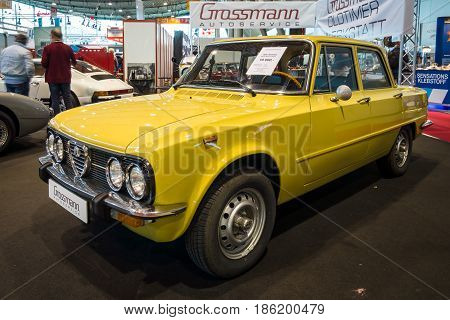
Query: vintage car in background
x=210, y=159
x=89, y=85
x=19, y=116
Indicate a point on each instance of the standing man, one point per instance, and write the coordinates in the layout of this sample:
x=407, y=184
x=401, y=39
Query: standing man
x=16, y=65
x=57, y=59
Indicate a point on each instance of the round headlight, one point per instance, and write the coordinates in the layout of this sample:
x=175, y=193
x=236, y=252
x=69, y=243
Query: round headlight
x=59, y=149
x=50, y=144
x=136, y=183
x=114, y=174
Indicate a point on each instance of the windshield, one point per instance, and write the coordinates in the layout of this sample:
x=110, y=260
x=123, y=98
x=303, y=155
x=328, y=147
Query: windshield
x=269, y=66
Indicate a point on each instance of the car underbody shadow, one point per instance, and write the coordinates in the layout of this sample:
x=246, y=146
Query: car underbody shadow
x=126, y=266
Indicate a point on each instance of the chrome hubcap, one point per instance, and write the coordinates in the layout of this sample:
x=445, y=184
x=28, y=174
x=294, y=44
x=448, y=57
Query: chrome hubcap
x=241, y=223
x=3, y=133
x=401, y=150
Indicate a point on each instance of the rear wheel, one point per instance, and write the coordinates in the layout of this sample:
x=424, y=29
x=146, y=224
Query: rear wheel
x=73, y=101
x=396, y=163
x=7, y=131
x=233, y=225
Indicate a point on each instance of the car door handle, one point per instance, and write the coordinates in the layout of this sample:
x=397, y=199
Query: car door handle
x=398, y=95
x=364, y=100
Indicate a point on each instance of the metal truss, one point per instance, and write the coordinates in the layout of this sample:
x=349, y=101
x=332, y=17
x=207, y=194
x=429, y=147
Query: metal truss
x=408, y=50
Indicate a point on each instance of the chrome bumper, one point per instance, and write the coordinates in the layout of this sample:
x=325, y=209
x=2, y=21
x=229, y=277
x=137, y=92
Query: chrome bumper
x=105, y=202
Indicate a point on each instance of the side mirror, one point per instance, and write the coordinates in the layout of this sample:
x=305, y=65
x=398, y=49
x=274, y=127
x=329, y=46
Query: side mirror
x=343, y=93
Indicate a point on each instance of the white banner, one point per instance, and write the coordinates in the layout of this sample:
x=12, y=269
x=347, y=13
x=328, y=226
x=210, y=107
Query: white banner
x=252, y=15
x=364, y=19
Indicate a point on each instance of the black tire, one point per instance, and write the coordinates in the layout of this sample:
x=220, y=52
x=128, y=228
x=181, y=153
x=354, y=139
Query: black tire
x=7, y=131
x=73, y=101
x=395, y=165
x=204, y=241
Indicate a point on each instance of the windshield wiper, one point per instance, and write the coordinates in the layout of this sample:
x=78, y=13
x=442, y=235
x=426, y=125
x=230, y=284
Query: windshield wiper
x=243, y=86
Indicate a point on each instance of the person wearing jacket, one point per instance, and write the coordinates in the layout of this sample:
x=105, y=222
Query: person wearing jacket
x=57, y=59
x=16, y=65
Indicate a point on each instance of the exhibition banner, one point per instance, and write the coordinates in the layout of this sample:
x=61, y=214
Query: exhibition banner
x=252, y=15
x=364, y=19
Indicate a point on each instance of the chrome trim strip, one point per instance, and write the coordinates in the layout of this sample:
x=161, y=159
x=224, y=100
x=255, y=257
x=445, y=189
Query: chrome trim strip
x=92, y=146
x=356, y=140
x=116, y=202
x=426, y=124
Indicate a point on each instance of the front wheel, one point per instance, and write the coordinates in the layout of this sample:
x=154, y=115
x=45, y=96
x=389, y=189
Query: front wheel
x=7, y=131
x=396, y=163
x=233, y=225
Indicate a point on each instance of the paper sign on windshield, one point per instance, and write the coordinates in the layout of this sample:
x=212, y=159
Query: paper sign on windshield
x=266, y=61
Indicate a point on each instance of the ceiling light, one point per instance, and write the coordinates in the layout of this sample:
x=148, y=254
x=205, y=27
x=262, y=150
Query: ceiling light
x=109, y=3
x=165, y=3
x=169, y=10
x=120, y=10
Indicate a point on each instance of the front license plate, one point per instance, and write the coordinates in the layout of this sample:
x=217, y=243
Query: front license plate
x=68, y=200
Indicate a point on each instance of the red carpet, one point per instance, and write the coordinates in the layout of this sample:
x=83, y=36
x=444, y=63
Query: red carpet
x=441, y=125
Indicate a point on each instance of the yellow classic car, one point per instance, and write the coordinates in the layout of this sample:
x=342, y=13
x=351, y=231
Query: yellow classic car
x=211, y=158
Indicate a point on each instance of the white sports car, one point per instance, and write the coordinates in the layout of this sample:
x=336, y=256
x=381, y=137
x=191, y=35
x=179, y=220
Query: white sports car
x=89, y=85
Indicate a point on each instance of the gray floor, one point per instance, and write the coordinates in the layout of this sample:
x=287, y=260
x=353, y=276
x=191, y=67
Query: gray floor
x=375, y=238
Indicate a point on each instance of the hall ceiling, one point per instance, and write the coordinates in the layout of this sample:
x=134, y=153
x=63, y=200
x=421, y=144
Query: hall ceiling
x=113, y=9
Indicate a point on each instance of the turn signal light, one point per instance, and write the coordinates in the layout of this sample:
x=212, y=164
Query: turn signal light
x=101, y=94
x=130, y=221
x=112, y=93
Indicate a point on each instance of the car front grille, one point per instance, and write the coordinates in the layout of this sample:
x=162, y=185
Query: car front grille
x=95, y=176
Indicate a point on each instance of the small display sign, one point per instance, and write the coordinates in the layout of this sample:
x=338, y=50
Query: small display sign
x=68, y=200
x=266, y=61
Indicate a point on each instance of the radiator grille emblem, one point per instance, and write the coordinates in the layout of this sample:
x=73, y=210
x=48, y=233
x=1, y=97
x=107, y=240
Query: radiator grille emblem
x=80, y=158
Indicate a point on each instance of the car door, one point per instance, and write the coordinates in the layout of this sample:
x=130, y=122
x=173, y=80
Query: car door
x=386, y=106
x=338, y=129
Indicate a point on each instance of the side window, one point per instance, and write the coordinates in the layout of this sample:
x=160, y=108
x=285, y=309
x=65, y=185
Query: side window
x=373, y=71
x=335, y=68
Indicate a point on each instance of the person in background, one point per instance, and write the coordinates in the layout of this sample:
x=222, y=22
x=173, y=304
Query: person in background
x=116, y=63
x=394, y=59
x=16, y=65
x=57, y=59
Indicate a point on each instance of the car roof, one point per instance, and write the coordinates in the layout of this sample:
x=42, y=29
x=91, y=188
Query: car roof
x=314, y=39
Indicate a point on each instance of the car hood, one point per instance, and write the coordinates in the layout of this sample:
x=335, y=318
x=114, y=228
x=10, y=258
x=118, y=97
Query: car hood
x=115, y=124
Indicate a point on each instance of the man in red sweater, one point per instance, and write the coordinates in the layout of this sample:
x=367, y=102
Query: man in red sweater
x=57, y=59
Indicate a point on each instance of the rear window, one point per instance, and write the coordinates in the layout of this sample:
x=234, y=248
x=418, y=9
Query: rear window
x=373, y=71
x=100, y=77
x=84, y=67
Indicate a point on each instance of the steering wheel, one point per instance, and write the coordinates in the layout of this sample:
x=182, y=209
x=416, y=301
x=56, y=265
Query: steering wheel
x=287, y=76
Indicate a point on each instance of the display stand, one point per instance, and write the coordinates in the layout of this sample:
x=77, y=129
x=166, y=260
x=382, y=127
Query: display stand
x=140, y=54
